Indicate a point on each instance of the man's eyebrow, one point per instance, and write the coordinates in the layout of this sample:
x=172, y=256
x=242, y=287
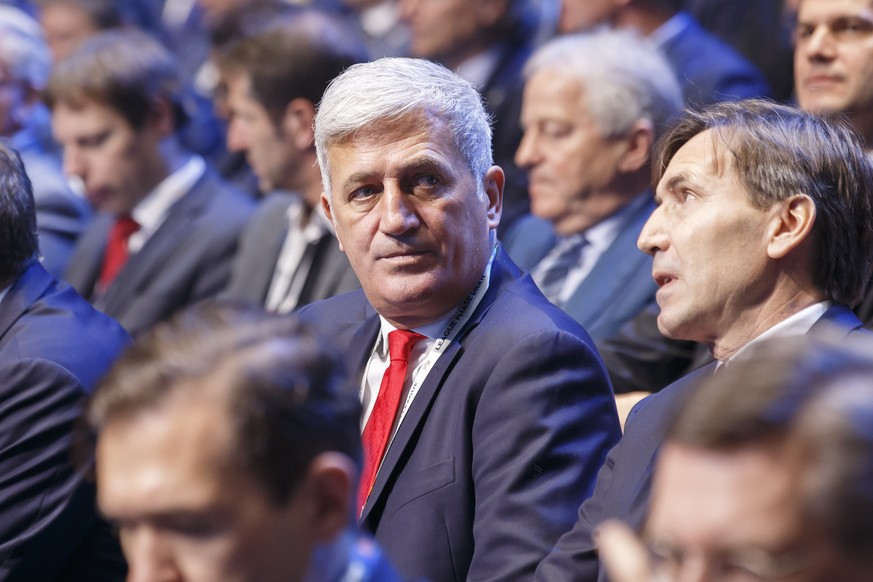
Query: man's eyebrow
x=675, y=181
x=357, y=178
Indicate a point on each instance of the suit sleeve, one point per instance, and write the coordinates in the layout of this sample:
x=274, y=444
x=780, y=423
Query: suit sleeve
x=46, y=511
x=545, y=422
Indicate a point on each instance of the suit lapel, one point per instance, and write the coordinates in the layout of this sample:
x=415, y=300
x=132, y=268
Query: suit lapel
x=620, y=262
x=502, y=273
x=145, y=265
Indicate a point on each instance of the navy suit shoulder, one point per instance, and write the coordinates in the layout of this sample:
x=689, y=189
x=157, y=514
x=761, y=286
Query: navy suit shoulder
x=623, y=484
x=186, y=260
x=619, y=284
x=709, y=70
x=501, y=443
x=54, y=347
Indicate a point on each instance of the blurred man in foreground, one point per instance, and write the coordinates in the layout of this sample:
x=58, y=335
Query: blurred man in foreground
x=777, y=484
x=228, y=450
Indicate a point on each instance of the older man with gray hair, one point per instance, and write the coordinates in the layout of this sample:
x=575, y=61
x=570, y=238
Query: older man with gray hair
x=487, y=411
x=593, y=106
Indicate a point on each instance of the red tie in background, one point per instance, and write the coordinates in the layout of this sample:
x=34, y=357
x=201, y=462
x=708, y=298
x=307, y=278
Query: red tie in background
x=116, y=249
x=378, y=428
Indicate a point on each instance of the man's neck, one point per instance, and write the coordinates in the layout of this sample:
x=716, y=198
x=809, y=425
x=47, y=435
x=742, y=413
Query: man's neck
x=755, y=322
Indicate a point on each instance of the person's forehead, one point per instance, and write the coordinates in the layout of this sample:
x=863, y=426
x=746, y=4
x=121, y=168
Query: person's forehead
x=828, y=9
x=707, y=152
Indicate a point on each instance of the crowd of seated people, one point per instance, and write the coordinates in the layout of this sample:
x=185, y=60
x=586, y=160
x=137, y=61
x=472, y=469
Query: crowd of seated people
x=377, y=290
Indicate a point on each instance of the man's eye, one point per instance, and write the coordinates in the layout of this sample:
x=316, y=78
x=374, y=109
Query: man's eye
x=94, y=141
x=556, y=130
x=427, y=181
x=803, y=31
x=363, y=193
x=851, y=26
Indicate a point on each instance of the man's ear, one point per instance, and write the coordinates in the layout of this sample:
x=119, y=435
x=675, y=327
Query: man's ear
x=493, y=184
x=330, y=488
x=297, y=122
x=328, y=212
x=790, y=225
x=639, y=141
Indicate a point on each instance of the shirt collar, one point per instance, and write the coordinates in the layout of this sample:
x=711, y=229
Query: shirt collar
x=152, y=210
x=797, y=324
x=671, y=29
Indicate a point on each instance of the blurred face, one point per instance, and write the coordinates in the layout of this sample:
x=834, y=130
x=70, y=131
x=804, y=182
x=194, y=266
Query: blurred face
x=709, y=245
x=65, y=27
x=117, y=164
x=269, y=151
x=407, y=214
x=571, y=166
x=734, y=516
x=185, y=510
x=449, y=31
x=577, y=15
x=833, y=56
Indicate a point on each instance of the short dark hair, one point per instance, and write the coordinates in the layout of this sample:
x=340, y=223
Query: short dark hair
x=287, y=396
x=18, y=236
x=128, y=70
x=814, y=392
x=779, y=152
x=294, y=57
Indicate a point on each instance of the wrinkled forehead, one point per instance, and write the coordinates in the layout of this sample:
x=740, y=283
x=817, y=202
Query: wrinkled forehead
x=710, y=152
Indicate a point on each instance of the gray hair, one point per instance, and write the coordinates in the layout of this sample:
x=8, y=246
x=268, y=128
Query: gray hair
x=390, y=89
x=23, y=51
x=626, y=77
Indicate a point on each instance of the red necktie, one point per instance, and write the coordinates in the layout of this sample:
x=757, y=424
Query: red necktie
x=116, y=249
x=378, y=428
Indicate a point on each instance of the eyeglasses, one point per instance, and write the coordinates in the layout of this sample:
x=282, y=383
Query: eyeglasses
x=738, y=565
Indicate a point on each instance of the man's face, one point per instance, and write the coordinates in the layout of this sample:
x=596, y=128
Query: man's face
x=113, y=160
x=578, y=15
x=713, y=513
x=444, y=30
x=570, y=164
x=185, y=510
x=408, y=216
x=268, y=149
x=833, y=56
x=709, y=244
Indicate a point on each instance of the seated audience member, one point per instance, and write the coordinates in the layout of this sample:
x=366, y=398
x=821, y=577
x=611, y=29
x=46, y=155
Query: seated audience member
x=833, y=68
x=764, y=228
x=593, y=105
x=487, y=43
x=228, y=449
x=708, y=69
x=61, y=216
x=777, y=484
x=288, y=255
x=168, y=227
x=487, y=410
x=54, y=347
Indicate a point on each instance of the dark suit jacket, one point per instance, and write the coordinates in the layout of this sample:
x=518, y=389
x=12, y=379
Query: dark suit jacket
x=618, y=287
x=53, y=349
x=187, y=259
x=503, y=438
x=622, y=489
x=259, y=249
x=710, y=70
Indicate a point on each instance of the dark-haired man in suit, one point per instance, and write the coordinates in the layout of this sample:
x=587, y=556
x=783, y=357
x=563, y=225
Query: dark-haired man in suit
x=168, y=226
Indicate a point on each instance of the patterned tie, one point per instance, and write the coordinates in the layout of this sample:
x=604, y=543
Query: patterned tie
x=116, y=250
x=566, y=256
x=378, y=428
